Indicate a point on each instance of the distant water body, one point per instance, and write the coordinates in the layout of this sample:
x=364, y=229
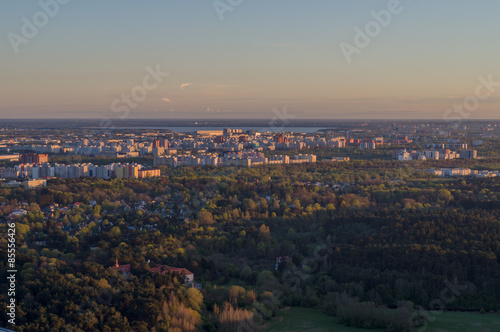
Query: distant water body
x=308, y=130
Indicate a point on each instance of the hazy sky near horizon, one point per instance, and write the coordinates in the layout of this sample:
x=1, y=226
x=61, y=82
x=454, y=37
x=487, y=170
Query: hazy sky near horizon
x=263, y=55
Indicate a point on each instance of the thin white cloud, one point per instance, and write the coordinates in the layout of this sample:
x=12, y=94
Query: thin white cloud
x=183, y=85
x=168, y=100
x=213, y=110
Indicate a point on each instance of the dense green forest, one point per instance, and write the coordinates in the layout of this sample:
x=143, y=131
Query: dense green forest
x=374, y=243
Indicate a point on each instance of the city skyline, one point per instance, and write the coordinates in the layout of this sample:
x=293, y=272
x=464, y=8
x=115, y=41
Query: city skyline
x=424, y=61
x=250, y=165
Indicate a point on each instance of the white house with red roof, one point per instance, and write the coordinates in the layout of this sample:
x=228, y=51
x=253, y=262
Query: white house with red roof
x=162, y=269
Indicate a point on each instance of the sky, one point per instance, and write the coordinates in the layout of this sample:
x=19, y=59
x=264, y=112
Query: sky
x=250, y=59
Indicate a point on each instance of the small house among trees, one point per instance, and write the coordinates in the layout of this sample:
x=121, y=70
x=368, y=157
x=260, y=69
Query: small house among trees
x=162, y=269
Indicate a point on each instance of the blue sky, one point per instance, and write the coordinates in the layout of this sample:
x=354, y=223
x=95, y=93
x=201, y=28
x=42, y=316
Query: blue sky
x=264, y=54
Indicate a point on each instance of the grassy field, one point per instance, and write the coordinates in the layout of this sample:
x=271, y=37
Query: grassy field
x=465, y=322
x=304, y=319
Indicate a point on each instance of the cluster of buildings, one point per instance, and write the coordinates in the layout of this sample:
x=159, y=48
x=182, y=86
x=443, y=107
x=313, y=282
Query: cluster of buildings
x=224, y=147
x=452, y=172
x=433, y=154
x=365, y=144
x=46, y=170
x=28, y=183
x=132, y=145
x=34, y=158
x=233, y=140
x=161, y=269
x=14, y=157
x=117, y=148
x=128, y=145
x=245, y=158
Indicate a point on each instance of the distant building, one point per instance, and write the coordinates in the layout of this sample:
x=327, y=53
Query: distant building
x=15, y=157
x=336, y=159
x=337, y=142
x=280, y=260
x=229, y=132
x=7, y=173
x=303, y=158
x=31, y=184
x=279, y=159
x=279, y=138
x=209, y=132
x=156, y=143
x=127, y=171
x=478, y=142
x=124, y=269
x=404, y=155
x=34, y=158
x=404, y=140
x=468, y=154
x=431, y=154
x=161, y=269
x=368, y=145
x=11, y=184
x=165, y=143
x=149, y=173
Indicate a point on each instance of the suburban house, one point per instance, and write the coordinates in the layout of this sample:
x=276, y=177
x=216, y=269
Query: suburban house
x=124, y=269
x=162, y=269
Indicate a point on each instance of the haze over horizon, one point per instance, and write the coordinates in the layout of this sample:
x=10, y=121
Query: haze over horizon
x=261, y=56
